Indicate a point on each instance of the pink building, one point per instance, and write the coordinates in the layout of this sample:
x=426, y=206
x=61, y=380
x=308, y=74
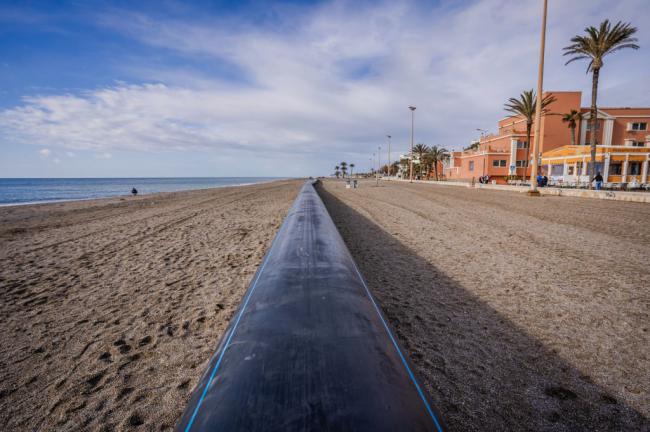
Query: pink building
x=503, y=155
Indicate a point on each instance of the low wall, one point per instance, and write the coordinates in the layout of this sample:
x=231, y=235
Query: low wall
x=643, y=197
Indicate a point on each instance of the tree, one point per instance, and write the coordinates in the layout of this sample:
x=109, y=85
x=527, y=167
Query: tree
x=436, y=155
x=394, y=168
x=425, y=165
x=351, y=169
x=572, y=118
x=420, y=149
x=337, y=173
x=525, y=107
x=344, y=168
x=594, y=46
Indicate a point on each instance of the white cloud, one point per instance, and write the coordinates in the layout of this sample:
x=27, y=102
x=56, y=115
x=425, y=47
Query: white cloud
x=104, y=155
x=56, y=160
x=333, y=80
x=45, y=152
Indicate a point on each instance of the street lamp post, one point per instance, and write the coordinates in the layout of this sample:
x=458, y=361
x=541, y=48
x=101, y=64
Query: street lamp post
x=412, y=108
x=389, y=137
x=538, y=109
x=378, y=163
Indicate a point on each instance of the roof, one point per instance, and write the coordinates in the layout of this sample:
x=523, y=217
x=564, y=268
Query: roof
x=578, y=150
x=620, y=112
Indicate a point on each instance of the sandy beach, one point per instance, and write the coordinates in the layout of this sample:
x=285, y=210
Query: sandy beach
x=518, y=313
x=111, y=308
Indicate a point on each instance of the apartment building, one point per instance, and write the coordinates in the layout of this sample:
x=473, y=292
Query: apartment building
x=507, y=154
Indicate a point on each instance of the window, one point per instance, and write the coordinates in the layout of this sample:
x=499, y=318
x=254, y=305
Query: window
x=557, y=170
x=637, y=126
x=615, y=169
x=634, y=168
x=471, y=165
x=589, y=125
x=599, y=168
x=522, y=144
x=522, y=163
x=499, y=163
x=637, y=144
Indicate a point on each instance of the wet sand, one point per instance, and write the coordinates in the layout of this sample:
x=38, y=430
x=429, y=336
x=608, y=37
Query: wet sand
x=518, y=313
x=111, y=308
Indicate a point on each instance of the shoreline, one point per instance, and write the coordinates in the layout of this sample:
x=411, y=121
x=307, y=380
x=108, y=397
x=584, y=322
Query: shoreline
x=128, y=195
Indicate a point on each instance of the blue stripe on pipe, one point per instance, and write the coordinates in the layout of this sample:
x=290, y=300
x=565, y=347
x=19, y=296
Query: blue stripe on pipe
x=408, y=369
x=223, y=351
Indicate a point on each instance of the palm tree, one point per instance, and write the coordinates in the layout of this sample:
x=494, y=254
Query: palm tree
x=351, y=169
x=594, y=46
x=337, y=173
x=572, y=118
x=420, y=149
x=436, y=155
x=525, y=107
x=425, y=166
x=344, y=168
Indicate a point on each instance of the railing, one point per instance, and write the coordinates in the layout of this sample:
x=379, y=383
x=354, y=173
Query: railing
x=488, y=149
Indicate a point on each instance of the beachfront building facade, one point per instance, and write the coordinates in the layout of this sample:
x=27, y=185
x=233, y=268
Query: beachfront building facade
x=507, y=154
x=622, y=151
x=404, y=166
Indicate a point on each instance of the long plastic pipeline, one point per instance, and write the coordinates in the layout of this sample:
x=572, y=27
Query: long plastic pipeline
x=308, y=349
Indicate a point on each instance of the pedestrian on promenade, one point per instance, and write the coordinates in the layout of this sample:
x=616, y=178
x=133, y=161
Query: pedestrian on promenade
x=599, y=181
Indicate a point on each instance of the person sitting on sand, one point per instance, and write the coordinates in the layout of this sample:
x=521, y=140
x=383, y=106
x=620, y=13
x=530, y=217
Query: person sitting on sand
x=544, y=181
x=134, y=191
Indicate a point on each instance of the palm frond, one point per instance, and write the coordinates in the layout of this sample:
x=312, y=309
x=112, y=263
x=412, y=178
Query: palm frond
x=601, y=41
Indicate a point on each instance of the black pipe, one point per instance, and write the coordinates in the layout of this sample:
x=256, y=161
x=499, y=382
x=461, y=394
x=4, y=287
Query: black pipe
x=308, y=349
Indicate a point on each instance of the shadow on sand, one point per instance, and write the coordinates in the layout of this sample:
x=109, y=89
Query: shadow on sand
x=482, y=372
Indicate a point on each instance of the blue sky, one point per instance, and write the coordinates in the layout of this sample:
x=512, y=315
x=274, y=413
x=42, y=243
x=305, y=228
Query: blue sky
x=277, y=88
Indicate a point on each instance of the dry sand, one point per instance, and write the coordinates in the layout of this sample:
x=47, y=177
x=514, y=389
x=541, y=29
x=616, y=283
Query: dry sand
x=519, y=313
x=111, y=308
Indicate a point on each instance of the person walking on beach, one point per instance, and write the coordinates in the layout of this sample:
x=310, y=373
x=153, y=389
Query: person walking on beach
x=134, y=191
x=599, y=181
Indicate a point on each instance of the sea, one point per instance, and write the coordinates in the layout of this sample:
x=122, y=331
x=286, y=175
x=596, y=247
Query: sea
x=16, y=191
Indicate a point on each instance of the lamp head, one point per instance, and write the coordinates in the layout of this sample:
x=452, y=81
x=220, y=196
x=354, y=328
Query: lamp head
x=411, y=107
